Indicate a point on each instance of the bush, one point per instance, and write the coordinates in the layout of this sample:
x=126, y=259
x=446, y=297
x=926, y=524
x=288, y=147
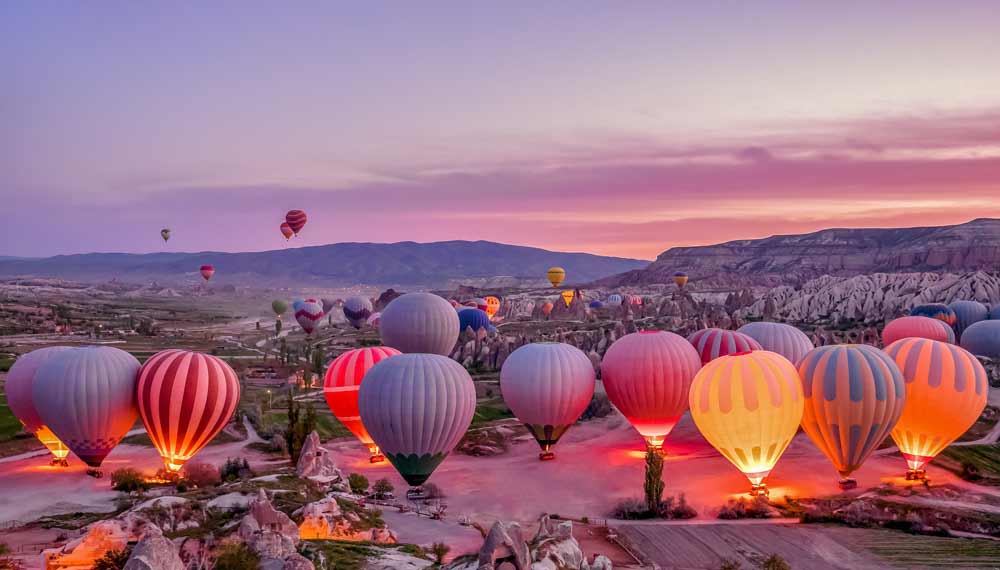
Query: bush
x=201, y=474
x=432, y=491
x=758, y=508
x=382, y=487
x=236, y=556
x=112, y=560
x=439, y=550
x=598, y=407
x=632, y=509
x=358, y=483
x=235, y=469
x=775, y=562
x=676, y=509
x=728, y=564
x=128, y=480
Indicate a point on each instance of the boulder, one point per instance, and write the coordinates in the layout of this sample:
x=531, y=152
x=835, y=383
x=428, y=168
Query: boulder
x=316, y=462
x=154, y=552
x=268, y=531
x=552, y=548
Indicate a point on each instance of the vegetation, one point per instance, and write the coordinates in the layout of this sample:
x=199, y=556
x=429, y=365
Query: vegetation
x=299, y=427
x=7, y=561
x=653, y=484
x=382, y=488
x=339, y=554
x=599, y=407
x=439, y=550
x=775, y=562
x=113, y=560
x=128, y=480
x=201, y=474
x=237, y=556
x=979, y=463
x=358, y=483
x=757, y=508
x=235, y=469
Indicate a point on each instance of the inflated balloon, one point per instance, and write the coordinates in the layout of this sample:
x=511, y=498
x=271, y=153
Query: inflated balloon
x=416, y=408
x=854, y=395
x=420, y=322
x=309, y=314
x=916, y=327
x=937, y=311
x=547, y=385
x=328, y=304
x=475, y=319
x=279, y=307
x=547, y=307
x=492, y=305
x=480, y=303
x=595, y=304
x=296, y=220
x=207, y=271
x=567, y=297
x=341, y=384
x=165, y=234
x=647, y=375
x=297, y=303
x=946, y=391
x=86, y=396
x=357, y=309
x=983, y=339
x=634, y=300
x=615, y=299
x=185, y=399
x=786, y=340
x=556, y=275
x=967, y=313
x=18, y=389
x=375, y=320
x=680, y=278
x=748, y=406
x=713, y=343
x=995, y=312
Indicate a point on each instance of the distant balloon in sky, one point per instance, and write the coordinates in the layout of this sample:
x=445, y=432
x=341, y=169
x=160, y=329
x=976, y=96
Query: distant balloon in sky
x=615, y=299
x=18, y=389
x=967, y=313
x=417, y=407
x=86, y=396
x=680, y=278
x=937, y=311
x=286, y=230
x=185, y=399
x=309, y=314
x=492, y=305
x=547, y=307
x=713, y=343
x=567, y=297
x=296, y=220
x=983, y=339
x=420, y=322
x=786, y=340
x=547, y=385
x=748, y=406
x=647, y=375
x=946, y=391
x=341, y=384
x=916, y=327
x=357, y=309
x=165, y=234
x=279, y=307
x=207, y=271
x=556, y=275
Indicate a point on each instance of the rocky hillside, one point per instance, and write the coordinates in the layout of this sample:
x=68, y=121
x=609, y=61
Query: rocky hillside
x=796, y=259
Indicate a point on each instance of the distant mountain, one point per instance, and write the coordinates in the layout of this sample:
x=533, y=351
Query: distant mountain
x=343, y=264
x=795, y=259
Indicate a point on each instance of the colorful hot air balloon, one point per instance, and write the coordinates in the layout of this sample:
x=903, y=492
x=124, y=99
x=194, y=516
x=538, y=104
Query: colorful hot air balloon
x=286, y=230
x=983, y=339
x=854, y=395
x=967, y=313
x=492, y=306
x=615, y=299
x=946, y=390
x=279, y=307
x=547, y=385
x=479, y=303
x=556, y=275
x=786, y=340
x=185, y=399
x=647, y=375
x=469, y=318
x=937, y=311
x=165, y=234
x=309, y=314
x=681, y=279
x=713, y=343
x=567, y=297
x=633, y=300
x=207, y=271
x=18, y=389
x=86, y=396
x=341, y=384
x=416, y=408
x=595, y=304
x=748, y=406
x=547, y=307
x=916, y=327
x=420, y=322
x=297, y=303
x=357, y=309
x=296, y=220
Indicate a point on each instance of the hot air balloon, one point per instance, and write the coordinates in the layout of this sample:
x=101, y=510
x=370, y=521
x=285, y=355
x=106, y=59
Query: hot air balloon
x=341, y=384
x=286, y=230
x=567, y=297
x=375, y=320
x=309, y=314
x=916, y=327
x=748, y=406
x=595, y=304
x=357, y=309
x=995, y=312
x=967, y=313
x=454, y=303
x=185, y=399
x=297, y=303
x=547, y=307
x=165, y=234
x=713, y=343
x=420, y=322
x=547, y=385
x=854, y=395
x=478, y=303
x=634, y=300
x=492, y=305
x=647, y=375
x=328, y=304
x=556, y=275
x=296, y=220
x=615, y=299
x=18, y=389
x=86, y=396
x=681, y=279
x=279, y=307
x=207, y=271
x=983, y=339
x=786, y=340
x=416, y=408
x=946, y=390
x=937, y=311
x=474, y=319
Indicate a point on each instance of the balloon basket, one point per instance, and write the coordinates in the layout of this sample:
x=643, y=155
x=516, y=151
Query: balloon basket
x=546, y=456
x=847, y=484
x=377, y=458
x=416, y=494
x=95, y=473
x=759, y=491
x=916, y=475
x=57, y=462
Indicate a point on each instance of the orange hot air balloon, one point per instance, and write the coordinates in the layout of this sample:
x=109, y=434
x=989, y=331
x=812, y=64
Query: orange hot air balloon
x=946, y=391
x=341, y=386
x=556, y=275
x=748, y=406
x=854, y=396
x=185, y=399
x=492, y=306
x=286, y=230
x=681, y=279
x=207, y=271
x=567, y=297
x=547, y=308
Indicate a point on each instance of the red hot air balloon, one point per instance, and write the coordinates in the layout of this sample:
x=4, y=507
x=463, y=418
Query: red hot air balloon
x=207, y=271
x=185, y=399
x=341, y=386
x=309, y=314
x=296, y=220
x=917, y=327
x=713, y=343
x=286, y=230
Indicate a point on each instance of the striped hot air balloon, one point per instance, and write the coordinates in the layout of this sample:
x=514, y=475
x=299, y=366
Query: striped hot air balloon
x=492, y=305
x=86, y=396
x=917, y=327
x=938, y=311
x=547, y=385
x=634, y=300
x=967, y=313
x=854, y=395
x=946, y=391
x=296, y=220
x=647, y=375
x=286, y=230
x=416, y=408
x=419, y=322
x=207, y=271
x=786, y=340
x=713, y=343
x=340, y=387
x=556, y=275
x=748, y=406
x=309, y=314
x=357, y=309
x=185, y=399
x=615, y=299
x=18, y=389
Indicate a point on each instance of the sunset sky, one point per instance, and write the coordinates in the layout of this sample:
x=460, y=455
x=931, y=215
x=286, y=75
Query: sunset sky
x=620, y=128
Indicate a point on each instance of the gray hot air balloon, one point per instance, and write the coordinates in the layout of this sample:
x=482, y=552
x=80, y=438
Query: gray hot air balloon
x=420, y=322
x=357, y=309
x=87, y=397
x=786, y=340
x=967, y=313
x=416, y=407
x=983, y=339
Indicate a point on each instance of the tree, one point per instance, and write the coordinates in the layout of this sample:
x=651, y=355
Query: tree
x=775, y=562
x=201, y=474
x=237, y=556
x=440, y=550
x=299, y=427
x=112, y=560
x=653, y=485
x=128, y=480
x=382, y=488
x=317, y=360
x=358, y=483
x=277, y=327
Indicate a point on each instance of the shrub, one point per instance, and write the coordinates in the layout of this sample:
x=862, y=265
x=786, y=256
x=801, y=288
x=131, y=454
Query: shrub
x=439, y=550
x=235, y=469
x=728, y=564
x=632, y=509
x=236, y=556
x=676, y=509
x=112, y=560
x=201, y=474
x=382, y=487
x=432, y=491
x=128, y=480
x=358, y=483
x=775, y=562
x=758, y=508
x=598, y=407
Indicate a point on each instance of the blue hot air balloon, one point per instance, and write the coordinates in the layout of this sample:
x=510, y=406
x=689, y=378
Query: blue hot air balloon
x=938, y=311
x=595, y=304
x=297, y=303
x=475, y=318
x=983, y=339
x=967, y=313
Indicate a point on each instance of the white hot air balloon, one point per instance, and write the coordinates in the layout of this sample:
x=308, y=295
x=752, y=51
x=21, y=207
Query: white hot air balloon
x=421, y=323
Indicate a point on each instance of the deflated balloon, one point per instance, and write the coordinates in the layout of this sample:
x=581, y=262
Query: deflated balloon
x=916, y=327
x=983, y=339
x=296, y=220
x=279, y=307
x=786, y=340
x=18, y=389
x=567, y=297
x=556, y=275
x=967, y=313
x=342, y=382
x=309, y=315
x=713, y=343
x=207, y=271
x=937, y=311
x=420, y=322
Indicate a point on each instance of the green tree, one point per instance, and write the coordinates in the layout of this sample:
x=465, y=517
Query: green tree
x=317, y=360
x=358, y=483
x=653, y=485
x=112, y=560
x=128, y=480
x=439, y=550
x=299, y=426
x=382, y=487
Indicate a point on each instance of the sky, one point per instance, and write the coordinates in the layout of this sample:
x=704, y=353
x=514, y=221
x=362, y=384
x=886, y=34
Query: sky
x=619, y=128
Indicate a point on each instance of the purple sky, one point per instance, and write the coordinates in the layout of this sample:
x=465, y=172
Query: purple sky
x=616, y=128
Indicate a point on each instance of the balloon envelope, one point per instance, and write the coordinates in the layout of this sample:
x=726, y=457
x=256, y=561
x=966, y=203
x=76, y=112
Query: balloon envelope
x=937, y=311
x=492, y=305
x=286, y=230
x=296, y=220
x=207, y=271
x=595, y=304
x=473, y=318
x=916, y=327
x=309, y=314
x=967, y=313
x=18, y=388
x=556, y=275
x=328, y=304
x=420, y=322
x=614, y=299
x=983, y=339
x=567, y=297
x=165, y=234
x=680, y=278
x=341, y=384
x=713, y=343
x=786, y=340
x=547, y=307
x=279, y=307
x=357, y=309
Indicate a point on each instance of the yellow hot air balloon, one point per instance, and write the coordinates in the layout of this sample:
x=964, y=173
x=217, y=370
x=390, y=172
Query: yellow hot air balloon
x=946, y=390
x=748, y=405
x=492, y=306
x=567, y=297
x=556, y=275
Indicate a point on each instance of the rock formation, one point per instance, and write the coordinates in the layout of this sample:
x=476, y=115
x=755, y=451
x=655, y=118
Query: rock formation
x=154, y=552
x=316, y=462
x=80, y=554
x=272, y=535
x=325, y=520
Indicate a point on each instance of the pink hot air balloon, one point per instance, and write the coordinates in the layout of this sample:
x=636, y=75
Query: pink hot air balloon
x=286, y=230
x=786, y=340
x=309, y=314
x=207, y=271
x=917, y=327
x=185, y=399
x=296, y=220
x=341, y=386
x=713, y=343
x=86, y=396
x=647, y=376
x=547, y=385
x=18, y=388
